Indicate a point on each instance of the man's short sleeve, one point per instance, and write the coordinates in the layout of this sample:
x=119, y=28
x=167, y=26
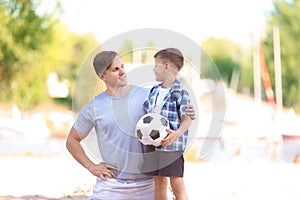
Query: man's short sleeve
x=85, y=121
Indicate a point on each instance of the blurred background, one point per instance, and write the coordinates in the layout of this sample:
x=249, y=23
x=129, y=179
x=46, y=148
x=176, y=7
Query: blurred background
x=253, y=44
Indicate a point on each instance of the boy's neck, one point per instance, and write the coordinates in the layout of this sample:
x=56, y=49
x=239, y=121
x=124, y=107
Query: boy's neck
x=170, y=78
x=167, y=84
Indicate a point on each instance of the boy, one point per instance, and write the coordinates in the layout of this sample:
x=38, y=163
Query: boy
x=170, y=100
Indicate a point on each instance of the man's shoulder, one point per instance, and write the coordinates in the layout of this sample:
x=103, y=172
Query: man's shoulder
x=88, y=105
x=98, y=98
x=141, y=89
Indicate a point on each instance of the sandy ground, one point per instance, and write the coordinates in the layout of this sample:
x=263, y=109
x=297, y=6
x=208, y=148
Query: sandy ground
x=39, y=197
x=51, y=177
x=242, y=181
x=31, y=177
x=60, y=177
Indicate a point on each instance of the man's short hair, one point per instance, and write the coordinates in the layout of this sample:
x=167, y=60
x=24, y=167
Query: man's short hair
x=103, y=60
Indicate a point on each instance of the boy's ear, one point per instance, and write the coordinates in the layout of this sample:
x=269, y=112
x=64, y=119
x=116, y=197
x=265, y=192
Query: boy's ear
x=167, y=65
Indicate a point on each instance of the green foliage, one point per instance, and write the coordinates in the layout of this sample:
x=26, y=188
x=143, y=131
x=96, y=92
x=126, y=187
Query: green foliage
x=149, y=52
x=31, y=47
x=23, y=35
x=126, y=51
x=229, y=58
x=286, y=16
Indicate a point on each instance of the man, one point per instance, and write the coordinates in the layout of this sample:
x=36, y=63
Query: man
x=114, y=114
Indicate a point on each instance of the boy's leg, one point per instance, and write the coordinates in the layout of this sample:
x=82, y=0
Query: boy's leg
x=178, y=187
x=161, y=186
x=170, y=164
x=175, y=171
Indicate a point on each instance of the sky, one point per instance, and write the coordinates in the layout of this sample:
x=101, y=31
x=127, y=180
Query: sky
x=236, y=20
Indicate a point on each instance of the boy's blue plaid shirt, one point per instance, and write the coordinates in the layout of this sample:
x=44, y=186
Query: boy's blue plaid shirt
x=174, y=107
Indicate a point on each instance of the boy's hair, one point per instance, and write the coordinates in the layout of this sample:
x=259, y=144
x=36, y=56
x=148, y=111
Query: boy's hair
x=103, y=60
x=172, y=55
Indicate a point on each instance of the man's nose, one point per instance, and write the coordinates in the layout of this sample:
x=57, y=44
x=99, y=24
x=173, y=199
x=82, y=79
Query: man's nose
x=122, y=71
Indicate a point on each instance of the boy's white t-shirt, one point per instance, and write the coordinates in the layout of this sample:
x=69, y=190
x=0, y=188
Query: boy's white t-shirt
x=160, y=98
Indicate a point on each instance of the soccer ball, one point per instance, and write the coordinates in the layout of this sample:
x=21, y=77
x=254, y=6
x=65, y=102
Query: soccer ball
x=151, y=129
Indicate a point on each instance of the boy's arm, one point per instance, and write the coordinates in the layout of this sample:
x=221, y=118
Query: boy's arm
x=184, y=125
x=191, y=112
x=173, y=135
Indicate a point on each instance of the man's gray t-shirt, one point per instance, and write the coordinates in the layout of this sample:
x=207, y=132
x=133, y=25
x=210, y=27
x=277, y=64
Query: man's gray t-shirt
x=114, y=120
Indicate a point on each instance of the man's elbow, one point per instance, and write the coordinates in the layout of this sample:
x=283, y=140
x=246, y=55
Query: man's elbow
x=70, y=140
x=68, y=143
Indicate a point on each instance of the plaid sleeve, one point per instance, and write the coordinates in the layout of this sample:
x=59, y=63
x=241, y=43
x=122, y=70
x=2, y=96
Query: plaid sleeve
x=146, y=105
x=148, y=101
x=183, y=101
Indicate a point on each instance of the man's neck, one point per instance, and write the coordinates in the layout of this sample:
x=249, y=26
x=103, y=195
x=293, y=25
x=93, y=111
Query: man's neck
x=118, y=91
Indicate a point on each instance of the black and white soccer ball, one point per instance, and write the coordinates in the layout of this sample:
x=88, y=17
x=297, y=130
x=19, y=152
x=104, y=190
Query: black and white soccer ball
x=151, y=129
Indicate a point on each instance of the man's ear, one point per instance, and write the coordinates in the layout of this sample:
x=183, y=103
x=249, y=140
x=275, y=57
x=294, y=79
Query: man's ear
x=101, y=76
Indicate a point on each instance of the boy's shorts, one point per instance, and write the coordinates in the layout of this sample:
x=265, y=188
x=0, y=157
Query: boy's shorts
x=163, y=163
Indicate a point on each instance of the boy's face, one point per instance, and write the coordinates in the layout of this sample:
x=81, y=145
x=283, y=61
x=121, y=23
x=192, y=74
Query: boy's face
x=160, y=70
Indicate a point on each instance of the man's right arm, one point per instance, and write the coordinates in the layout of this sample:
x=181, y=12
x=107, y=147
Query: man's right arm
x=73, y=145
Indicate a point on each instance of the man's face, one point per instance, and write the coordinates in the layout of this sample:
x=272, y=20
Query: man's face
x=115, y=75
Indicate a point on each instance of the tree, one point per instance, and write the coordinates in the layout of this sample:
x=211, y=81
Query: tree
x=230, y=58
x=127, y=51
x=286, y=16
x=31, y=47
x=23, y=35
